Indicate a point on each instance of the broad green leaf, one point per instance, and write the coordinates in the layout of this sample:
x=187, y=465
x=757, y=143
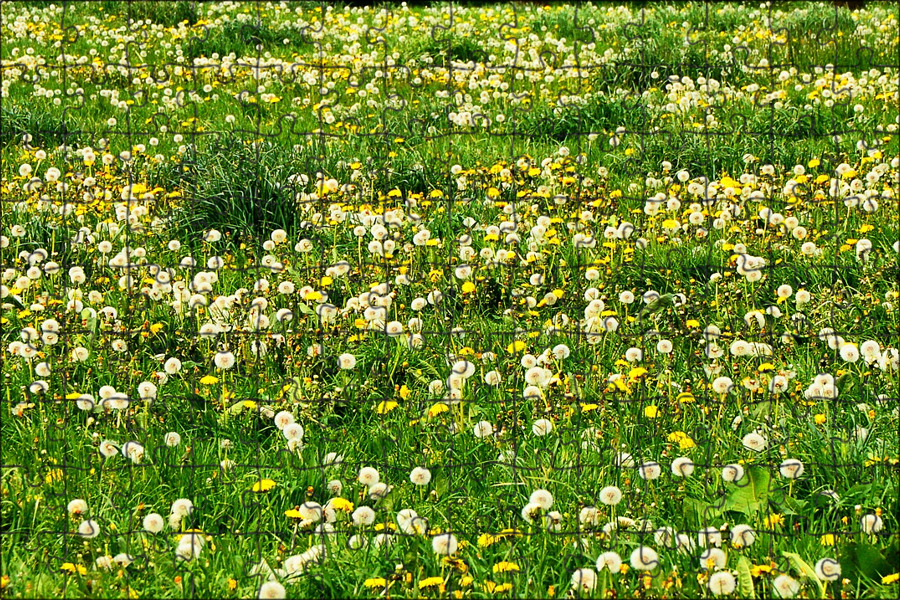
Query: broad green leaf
x=306, y=310
x=745, y=578
x=865, y=559
x=803, y=567
x=792, y=506
x=751, y=496
x=441, y=485
x=698, y=512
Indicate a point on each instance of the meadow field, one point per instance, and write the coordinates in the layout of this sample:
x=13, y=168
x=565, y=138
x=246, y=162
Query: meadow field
x=449, y=299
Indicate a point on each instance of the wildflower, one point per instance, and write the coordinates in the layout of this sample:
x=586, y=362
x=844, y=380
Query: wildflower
x=224, y=360
x=542, y=498
x=263, y=485
x=542, y=427
x=368, y=476
x=77, y=507
x=444, y=543
x=483, y=429
x=153, y=523
x=742, y=536
x=682, y=466
x=709, y=536
x=609, y=560
x=754, y=441
x=722, y=583
x=610, y=495
x=182, y=507
x=584, y=580
x=644, y=559
x=649, y=470
x=505, y=567
x=271, y=590
x=347, y=361
x=871, y=523
x=363, y=516
x=89, y=529
x=791, y=468
x=420, y=476
x=828, y=569
x=786, y=586
x=722, y=385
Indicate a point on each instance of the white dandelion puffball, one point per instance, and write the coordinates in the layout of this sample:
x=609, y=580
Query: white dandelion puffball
x=542, y=498
x=828, y=569
x=786, y=586
x=625, y=459
x=609, y=560
x=154, y=523
x=293, y=432
x=483, y=429
x=271, y=590
x=732, y=473
x=791, y=468
x=368, y=476
x=541, y=427
x=709, y=536
x=610, y=495
x=722, y=385
x=742, y=536
x=283, y=419
x=722, y=583
x=650, y=470
x=89, y=529
x=182, y=507
x=363, y=516
x=584, y=580
x=644, y=559
x=77, y=507
x=754, y=441
x=224, y=360
x=712, y=559
x=682, y=466
x=347, y=361
x=871, y=523
x=531, y=512
x=444, y=543
x=420, y=476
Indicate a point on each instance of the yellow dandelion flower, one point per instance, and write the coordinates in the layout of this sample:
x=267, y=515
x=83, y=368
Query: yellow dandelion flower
x=516, y=346
x=342, y=504
x=375, y=582
x=431, y=582
x=208, y=380
x=505, y=566
x=263, y=485
x=773, y=519
x=437, y=409
x=637, y=372
x=72, y=568
x=385, y=406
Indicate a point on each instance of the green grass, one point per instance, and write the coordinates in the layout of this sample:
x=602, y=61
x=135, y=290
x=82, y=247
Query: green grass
x=224, y=149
